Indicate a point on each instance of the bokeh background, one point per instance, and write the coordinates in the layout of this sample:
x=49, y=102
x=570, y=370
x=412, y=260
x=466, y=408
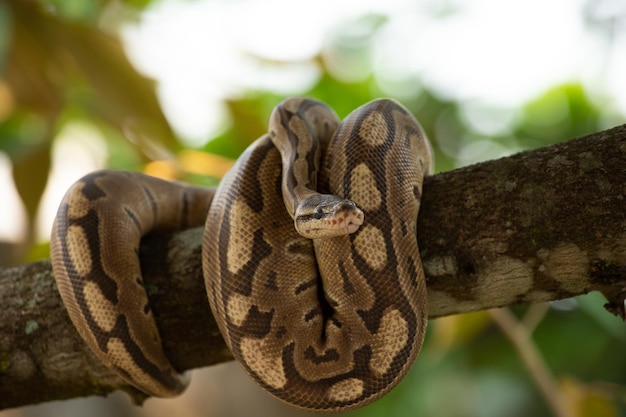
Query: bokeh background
x=178, y=88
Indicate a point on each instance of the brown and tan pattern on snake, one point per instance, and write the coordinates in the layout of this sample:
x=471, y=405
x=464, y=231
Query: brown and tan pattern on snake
x=332, y=324
x=94, y=248
x=326, y=324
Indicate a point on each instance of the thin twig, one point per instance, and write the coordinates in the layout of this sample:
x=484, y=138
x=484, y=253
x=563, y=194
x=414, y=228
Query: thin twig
x=534, y=315
x=520, y=337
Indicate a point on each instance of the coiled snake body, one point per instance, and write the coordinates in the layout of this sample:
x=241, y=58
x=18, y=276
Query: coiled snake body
x=320, y=297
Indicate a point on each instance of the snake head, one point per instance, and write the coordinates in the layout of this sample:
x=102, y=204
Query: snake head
x=323, y=215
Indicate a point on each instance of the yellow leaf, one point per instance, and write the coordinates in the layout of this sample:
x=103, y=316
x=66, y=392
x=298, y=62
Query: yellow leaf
x=589, y=400
x=204, y=163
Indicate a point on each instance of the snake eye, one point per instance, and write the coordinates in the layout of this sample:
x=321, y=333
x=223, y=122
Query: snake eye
x=318, y=213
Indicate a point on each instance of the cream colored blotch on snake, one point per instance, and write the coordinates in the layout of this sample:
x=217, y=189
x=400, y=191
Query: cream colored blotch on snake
x=326, y=325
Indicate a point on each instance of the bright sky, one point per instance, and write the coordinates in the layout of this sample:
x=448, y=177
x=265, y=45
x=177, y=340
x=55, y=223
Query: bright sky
x=488, y=52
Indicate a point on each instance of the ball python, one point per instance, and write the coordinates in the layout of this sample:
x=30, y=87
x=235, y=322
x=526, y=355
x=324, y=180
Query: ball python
x=310, y=258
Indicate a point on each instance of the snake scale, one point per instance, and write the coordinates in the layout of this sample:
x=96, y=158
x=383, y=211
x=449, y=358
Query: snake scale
x=310, y=257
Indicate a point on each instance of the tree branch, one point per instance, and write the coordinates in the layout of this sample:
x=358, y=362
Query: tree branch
x=538, y=226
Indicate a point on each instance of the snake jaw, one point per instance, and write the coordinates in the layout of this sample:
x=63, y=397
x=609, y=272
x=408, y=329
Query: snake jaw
x=330, y=218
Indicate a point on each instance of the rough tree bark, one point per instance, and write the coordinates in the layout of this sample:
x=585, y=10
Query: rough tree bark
x=538, y=226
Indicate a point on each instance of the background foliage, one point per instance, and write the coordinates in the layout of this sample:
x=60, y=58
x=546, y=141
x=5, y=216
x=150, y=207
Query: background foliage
x=63, y=68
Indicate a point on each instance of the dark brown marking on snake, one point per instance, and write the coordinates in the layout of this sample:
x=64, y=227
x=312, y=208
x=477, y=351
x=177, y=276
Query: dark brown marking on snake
x=316, y=391
x=151, y=201
x=107, y=286
x=409, y=134
x=330, y=355
x=256, y=201
x=308, y=178
x=135, y=220
x=223, y=237
x=372, y=318
x=257, y=323
x=91, y=190
x=403, y=229
x=348, y=288
x=336, y=322
x=413, y=273
x=299, y=246
x=121, y=332
x=313, y=153
x=280, y=332
x=317, y=311
x=290, y=177
x=97, y=274
x=260, y=250
x=305, y=286
x=271, y=283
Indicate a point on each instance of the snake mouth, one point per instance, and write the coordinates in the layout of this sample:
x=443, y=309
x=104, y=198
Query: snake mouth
x=352, y=227
x=345, y=221
x=332, y=220
x=354, y=220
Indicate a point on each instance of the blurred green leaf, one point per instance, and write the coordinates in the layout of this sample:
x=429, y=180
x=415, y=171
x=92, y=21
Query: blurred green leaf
x=26, y=138
x=341, y=96
x=86, y=11
x=561, y=113
x=5, y=33
x=30, y=175
x=86, y=67
x=74, y=9
x=249, y=120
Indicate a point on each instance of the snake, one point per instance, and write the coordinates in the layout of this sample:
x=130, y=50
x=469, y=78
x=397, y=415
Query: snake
x=310, y=257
